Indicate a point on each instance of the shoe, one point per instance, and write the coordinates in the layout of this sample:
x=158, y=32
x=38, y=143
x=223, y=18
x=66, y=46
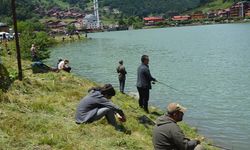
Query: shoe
x=121, y=128
x=146, y=110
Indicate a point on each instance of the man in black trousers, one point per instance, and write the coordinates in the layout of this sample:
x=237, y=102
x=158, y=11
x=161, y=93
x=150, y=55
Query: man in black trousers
x=143, y=84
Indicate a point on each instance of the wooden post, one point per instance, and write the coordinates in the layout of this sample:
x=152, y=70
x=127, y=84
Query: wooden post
x=20, y=75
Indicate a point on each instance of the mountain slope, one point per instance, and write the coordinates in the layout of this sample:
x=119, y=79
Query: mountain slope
x=210, y=5
x=26, y=8
x=147, y=7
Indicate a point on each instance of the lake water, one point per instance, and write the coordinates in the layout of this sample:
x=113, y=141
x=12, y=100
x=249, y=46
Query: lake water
x=209, y=65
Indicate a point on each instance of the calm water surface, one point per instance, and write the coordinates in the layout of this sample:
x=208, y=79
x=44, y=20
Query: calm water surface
x=209, y=65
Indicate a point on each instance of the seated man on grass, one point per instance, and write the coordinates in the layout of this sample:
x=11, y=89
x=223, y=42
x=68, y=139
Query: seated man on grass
x=97, y=104
x=167, y=135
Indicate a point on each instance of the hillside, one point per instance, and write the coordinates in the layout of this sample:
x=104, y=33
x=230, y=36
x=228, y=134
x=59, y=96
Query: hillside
x=27, y=9
x=210, y=5
x=38, y=113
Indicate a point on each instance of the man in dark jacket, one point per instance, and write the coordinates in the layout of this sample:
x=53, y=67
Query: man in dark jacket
x=143, y=84
x=97, y=104
x=121, y=75
x=167, y=135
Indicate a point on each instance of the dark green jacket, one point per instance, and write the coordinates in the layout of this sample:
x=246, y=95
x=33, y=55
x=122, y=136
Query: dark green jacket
x=167, y=135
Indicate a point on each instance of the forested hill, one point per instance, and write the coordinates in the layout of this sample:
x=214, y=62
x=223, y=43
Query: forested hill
x=26, y=8
x=146, y=7
x=141, y=8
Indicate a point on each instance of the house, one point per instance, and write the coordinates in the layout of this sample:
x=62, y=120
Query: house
x=198, y=15
x=57, y=26
x=225, y=13
x=239, y=9
x=77, y=23
x=4, y=27
x=211, y=14
x=90, y=21
x=247, y=14
x=181, y=18
x=152, y=20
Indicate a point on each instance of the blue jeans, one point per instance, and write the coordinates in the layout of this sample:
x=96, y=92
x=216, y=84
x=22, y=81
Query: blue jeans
x=108, y=113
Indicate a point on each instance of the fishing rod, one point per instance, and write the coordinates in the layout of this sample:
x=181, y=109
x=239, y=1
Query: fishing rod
x=168, y=86
x=180, y=91
x=221, y=147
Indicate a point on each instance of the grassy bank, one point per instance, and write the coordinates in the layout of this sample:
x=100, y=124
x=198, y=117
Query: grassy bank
x=38, y=113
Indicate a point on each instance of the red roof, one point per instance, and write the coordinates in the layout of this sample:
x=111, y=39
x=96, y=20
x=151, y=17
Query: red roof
x=152, y=18
x=180, y=18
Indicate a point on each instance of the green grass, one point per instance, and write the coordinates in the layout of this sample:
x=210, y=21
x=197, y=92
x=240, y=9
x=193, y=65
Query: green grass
x=38, y=113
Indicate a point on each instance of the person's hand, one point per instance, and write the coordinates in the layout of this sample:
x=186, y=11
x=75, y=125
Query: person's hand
x=121, y=118
x=198, y=142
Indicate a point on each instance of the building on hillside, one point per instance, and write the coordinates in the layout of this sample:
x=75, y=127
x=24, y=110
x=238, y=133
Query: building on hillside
x=247, y=14
x=211, y=14
x=56, y=26
x=78, y=24
x=90, y=22
x=181, y=18
x=225, y=13
x=148, y=21
x=198, y=15
x=4, y=27
x=239, y=9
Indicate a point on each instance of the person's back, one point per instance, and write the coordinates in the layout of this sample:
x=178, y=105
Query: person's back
x=60, y=65
x=143, y=79
x=164, y=132
x=167, y=135
x=88, y=106
x=97, y=104
x=122, y=72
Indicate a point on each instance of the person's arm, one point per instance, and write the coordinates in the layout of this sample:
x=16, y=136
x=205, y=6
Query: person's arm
x=148, y=75
x=118, y=69
x=109, y=104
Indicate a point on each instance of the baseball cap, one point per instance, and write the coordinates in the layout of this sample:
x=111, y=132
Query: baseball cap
x=173, y=107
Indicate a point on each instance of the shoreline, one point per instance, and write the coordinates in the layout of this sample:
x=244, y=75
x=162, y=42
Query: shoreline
x=199, y=24
x=69, y=88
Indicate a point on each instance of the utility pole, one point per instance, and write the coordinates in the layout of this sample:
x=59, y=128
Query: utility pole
x=20, y=74
x=96, y=13
x=242, y=9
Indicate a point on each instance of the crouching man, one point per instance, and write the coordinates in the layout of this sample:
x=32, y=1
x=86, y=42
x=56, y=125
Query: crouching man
x=97, y=104
x=167, y=135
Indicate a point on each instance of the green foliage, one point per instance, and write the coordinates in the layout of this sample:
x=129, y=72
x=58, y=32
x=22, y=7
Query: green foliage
x=5, y=79
x=30, y=35
x=71, y=28
x=143, y=8
x=30, y=26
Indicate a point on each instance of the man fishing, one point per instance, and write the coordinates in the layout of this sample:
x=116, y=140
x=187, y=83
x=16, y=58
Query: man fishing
x=168, y=135
x=121, y=75
x=143, y=84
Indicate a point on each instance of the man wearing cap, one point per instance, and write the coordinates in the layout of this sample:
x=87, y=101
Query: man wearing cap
x=143, y=84
x=97, y=104
x=121, y=75
x=167, y=135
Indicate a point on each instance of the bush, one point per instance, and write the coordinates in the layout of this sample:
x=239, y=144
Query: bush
x=5, y=80
x=41, y=40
